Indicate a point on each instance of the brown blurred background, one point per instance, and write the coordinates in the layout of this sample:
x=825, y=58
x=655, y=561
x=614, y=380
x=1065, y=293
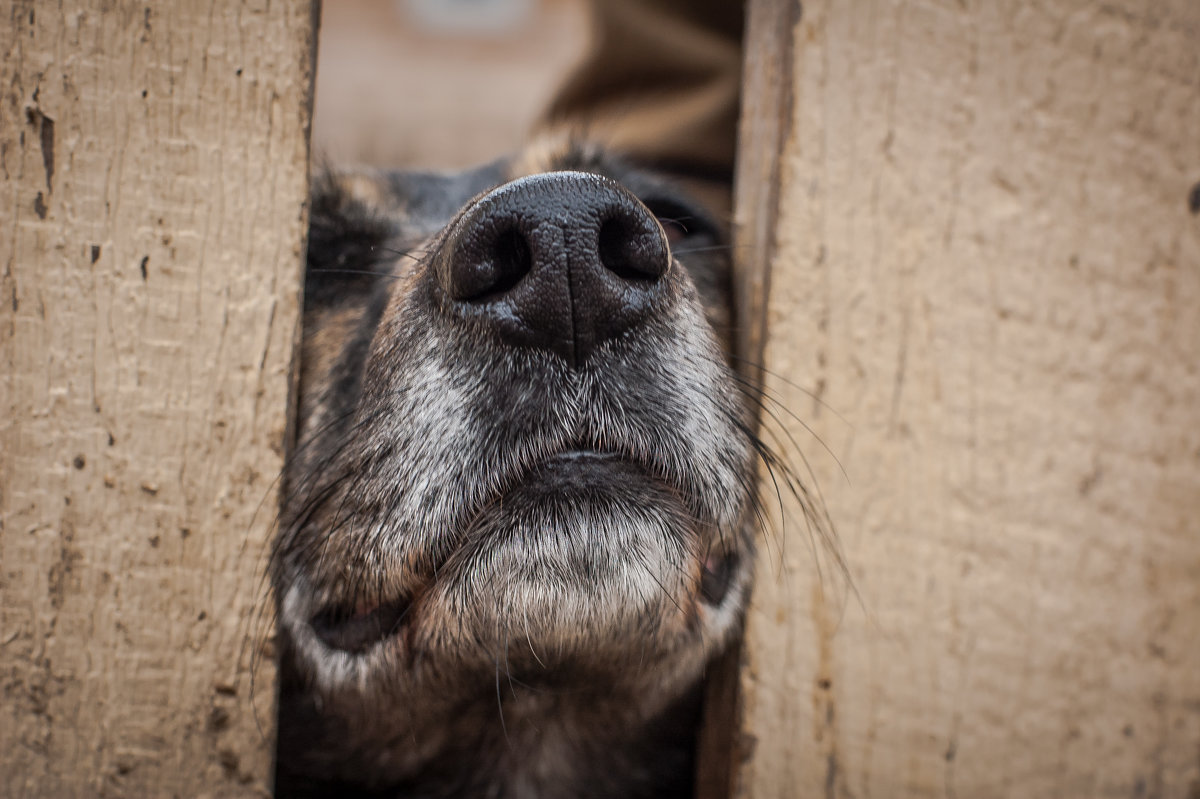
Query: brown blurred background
x=438, y=83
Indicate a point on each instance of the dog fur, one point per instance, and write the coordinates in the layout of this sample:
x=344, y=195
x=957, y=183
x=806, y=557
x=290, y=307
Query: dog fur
x=499, y=572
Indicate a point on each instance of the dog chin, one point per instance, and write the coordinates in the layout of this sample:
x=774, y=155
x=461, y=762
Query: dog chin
x=585, y=546
x=556, y=571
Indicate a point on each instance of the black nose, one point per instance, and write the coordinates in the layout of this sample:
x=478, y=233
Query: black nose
x=562, y=261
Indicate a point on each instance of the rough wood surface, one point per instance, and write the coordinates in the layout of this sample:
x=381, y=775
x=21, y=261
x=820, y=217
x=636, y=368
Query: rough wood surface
x=764, y=125
x=154, y=168
x=985, y=256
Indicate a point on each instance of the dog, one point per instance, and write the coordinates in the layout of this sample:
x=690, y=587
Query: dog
x=518, y=521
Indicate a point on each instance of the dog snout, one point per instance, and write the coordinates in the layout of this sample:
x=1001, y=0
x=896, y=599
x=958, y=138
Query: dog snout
x=563, y=261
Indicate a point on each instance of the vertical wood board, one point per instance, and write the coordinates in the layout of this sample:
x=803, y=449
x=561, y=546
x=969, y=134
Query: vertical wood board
x=154, y=162
x=984, y=273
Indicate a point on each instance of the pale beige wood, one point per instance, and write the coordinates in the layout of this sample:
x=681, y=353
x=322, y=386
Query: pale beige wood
x=763, y=129
x=154, y=167
x=982, y=256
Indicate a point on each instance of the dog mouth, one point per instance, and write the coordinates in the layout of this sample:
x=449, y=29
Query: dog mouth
x=358, y=627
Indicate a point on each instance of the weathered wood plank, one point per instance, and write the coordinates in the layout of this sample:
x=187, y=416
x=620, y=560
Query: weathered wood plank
x=763, y=129
x=154, y=165
x=984, y=259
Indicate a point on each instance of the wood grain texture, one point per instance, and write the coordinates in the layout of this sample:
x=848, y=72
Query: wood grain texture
x=154, y=164
x=982, y=256
x=763, y=129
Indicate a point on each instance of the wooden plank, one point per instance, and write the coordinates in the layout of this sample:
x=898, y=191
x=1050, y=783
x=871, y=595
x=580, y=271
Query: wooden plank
x=983, y=257
x=154, y=162
x=763, y=128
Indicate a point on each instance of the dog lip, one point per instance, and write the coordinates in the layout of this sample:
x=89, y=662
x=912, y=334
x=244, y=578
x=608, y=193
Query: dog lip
x=716, y=576
x=356, y=629
x=586, y=454
x=582, y=460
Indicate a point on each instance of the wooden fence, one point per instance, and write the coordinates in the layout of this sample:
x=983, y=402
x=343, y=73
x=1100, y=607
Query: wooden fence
x=970, y=262
x=971, y=233
x=154, y=159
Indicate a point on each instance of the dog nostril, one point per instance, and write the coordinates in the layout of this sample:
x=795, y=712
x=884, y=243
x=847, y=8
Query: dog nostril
x=491, y=268
x=633, y=248
x=563, y=262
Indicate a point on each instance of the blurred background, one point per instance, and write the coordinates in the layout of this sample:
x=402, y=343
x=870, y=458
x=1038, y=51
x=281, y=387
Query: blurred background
x=438, y=83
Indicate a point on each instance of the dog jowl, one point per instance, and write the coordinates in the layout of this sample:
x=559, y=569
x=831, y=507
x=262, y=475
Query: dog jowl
x=515, y=527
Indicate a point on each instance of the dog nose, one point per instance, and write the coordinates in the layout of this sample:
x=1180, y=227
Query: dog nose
x=562, y=261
